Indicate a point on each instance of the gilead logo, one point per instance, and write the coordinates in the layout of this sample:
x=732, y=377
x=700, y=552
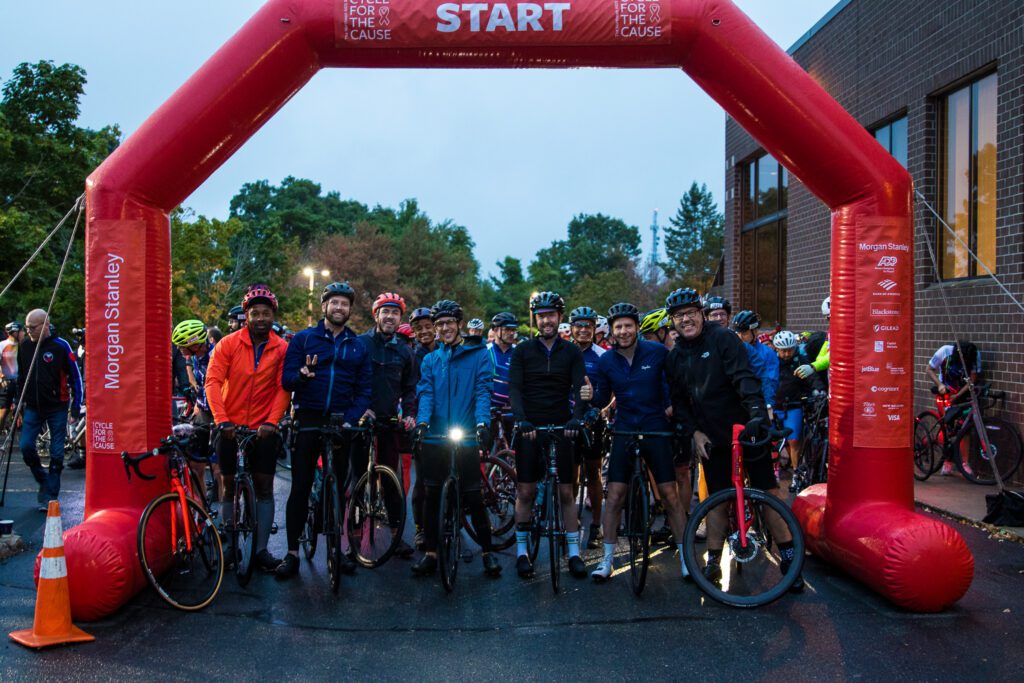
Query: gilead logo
x=528, y=16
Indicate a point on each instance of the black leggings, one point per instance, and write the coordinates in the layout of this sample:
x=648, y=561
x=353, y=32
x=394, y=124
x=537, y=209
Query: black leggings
x=472, y=501
x=308, y=447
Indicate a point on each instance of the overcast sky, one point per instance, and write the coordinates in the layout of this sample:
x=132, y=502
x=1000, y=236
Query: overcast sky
x=512, y=155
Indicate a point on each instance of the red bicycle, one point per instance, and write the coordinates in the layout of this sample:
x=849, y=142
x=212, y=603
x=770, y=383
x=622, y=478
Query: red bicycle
x=745, y=526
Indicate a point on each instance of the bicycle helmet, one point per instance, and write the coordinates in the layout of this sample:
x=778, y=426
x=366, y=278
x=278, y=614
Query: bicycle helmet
x=189, y=332
x=583, y=313
x=716, y=303
x=766, y=338
x=602, y=326
x=236, y=313
x=446, y=308
x=564, y=329
x=826, y=306
x=784, y=340
x=746, y=320
x=475, y=324
x=338, y=289
x=504, y=319
x=277, y=328
x=405, y=329
x=388, y=299
x=654, y=321
x=623, y=310
x=259, y=294
x=419, y=314
x=682, y=298
x=547, y=301
x=13, y=327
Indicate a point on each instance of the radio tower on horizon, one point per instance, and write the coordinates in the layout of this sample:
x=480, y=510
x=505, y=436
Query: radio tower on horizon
x=652, y=263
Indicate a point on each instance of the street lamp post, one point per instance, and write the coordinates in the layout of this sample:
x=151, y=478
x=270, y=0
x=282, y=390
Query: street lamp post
x=529, y=310
x=311, y=274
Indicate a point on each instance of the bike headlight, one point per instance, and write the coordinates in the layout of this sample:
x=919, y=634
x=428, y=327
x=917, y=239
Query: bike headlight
x=456, y=434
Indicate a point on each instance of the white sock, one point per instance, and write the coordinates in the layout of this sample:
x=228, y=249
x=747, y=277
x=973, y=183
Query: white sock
x=521, y=540
x=609, y=552
x=573, y=539
x=682, y=562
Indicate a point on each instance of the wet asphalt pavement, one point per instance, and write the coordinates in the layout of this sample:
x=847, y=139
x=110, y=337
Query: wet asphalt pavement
x=385, y=624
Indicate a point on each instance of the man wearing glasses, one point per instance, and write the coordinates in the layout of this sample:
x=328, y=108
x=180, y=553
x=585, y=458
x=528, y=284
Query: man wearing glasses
x=52, y=385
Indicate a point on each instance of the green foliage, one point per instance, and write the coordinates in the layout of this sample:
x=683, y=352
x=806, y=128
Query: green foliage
x=509, y=290
x=595, y=243
x=693, y=242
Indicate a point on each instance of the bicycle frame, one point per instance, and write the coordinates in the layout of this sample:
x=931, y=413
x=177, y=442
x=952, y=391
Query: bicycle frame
x=737, y=481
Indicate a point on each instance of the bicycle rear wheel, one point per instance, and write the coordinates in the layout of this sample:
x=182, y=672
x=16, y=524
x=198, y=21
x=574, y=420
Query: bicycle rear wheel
x=309, y=532
x=449, y=545
x=751, y=574
x=185, y=571
x=243, y=532
x=925, y=425
x=555, y=533
x=1005, y=453
x=638, y=533
x=332, y=530
x=374, y=531
x=499, y=493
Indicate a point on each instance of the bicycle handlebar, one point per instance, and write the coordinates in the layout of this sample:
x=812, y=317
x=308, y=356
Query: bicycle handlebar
x=619, y=432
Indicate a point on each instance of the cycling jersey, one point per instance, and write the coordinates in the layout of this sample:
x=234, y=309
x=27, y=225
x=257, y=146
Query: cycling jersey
x=792, y=388
x=641, y=393
x=343, y=376
x=765, y=364
x=420, y=352
x=542, y=380
x=500, y=360
x=591, y=356
x=951, y=371
x=198, y=366
x=9, y=358
x=821, y=361
x=55, y=381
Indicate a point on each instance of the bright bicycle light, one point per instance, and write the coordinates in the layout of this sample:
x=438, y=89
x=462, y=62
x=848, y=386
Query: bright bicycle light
x=456, y=434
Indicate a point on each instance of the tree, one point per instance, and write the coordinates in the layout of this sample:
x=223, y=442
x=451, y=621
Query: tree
x=205, y=283
x=508, y=290
x=693, y=240
x=296, y=210
x=595, y=243
x=602, y=289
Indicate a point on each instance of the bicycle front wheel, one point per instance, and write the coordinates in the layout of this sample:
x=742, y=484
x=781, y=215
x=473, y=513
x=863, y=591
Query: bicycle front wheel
x=243, y=532
x=332, y=531
x=449, y=545
x=1004, y=452
x=499, y=493
x=749, y=572
x=555, y=531
x=180, y=552
x=638, y=533
x=376, y=516
x=924, y=450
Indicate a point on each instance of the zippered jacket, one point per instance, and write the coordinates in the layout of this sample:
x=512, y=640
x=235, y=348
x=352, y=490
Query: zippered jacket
x=241, y=390
x=541, y=383
x=765, y=364
x=343, y=381
x=455, y=389
x=55, y=381
x=641, y=393
x=395, y=375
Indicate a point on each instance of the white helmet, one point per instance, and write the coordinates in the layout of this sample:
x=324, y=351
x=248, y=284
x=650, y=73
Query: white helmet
x=602, y=326
x=563, y=328
x=826, y=306
x=784, y=340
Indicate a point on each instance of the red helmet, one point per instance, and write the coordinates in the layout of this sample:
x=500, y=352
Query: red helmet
x=388, y=299
x=255, y=294
x=405, y=329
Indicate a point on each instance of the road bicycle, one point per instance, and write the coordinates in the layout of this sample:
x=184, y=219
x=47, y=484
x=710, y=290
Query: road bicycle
x=970, y=440
x=813, y=467
x=324, y=515
x=178, y=545
x=498, y=490
x=743, y=518
x=244, y=529
x=376, y=506
x=637, y=511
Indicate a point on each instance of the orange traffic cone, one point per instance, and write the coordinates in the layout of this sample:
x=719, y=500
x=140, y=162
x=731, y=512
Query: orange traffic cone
x=52, y=624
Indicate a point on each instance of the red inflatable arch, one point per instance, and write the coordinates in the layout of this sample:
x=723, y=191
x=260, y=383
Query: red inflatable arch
x=865, y=523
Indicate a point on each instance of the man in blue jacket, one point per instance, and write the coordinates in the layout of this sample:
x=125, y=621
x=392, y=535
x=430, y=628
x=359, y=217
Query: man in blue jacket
x=454, y=392
x=763, y=360
x=634, y=371
x=329, y=370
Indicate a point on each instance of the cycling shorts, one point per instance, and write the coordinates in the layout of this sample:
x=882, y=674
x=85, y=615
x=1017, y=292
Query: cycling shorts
x=792, y=418
x=435, y=465
x=261, y=457
x=595, y=449
x=757, y=463
x=656, y=452
x=9, y=394
x=532, y=459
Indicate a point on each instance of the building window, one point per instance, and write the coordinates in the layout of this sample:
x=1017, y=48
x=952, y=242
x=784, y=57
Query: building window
x=763, y=239
x=968, y=179
x=893, y=137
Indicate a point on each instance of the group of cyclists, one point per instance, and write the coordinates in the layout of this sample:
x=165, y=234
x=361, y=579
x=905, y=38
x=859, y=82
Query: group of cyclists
x=689, y=369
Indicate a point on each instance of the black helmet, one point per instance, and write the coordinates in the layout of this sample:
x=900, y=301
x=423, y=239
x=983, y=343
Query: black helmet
x=236, y=313
x=623, y=310
x=278, y=328
x=446, y=308
x=682, y=298
x=715, y=303
x=746, y=320
x=419, y=314
x=547, y=301
x=338, y=289
x=583, y=313
x=504, y=319
x=13, y=327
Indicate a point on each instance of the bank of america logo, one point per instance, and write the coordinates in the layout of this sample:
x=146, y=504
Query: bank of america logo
x=887, y=284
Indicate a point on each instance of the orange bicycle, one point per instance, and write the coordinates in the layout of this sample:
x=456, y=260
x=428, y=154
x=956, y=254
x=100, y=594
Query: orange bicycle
x=179, y=548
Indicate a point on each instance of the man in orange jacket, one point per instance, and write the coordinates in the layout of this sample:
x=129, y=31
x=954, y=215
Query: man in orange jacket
x=243, y=387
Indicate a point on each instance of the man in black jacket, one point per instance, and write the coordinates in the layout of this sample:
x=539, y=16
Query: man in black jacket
x=395, y=374
x=713, y=388
x=52, y=385
x=544, y=373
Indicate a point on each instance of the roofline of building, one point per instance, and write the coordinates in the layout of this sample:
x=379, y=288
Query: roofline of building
x=839, y=7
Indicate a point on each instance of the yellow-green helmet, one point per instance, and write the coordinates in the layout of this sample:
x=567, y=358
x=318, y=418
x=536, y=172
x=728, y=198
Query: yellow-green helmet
x=188, y=332
x=654, y=321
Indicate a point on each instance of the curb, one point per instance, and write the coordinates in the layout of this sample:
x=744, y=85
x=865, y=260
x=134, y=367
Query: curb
x=996, y=532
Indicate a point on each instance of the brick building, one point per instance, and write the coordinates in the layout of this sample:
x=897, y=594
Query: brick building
x=941, y=85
